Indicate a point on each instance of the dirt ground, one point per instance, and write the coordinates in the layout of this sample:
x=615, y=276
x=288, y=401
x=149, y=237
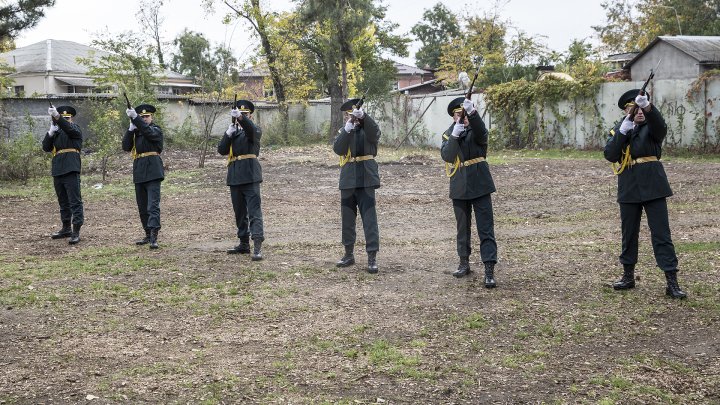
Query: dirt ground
x=108, y=322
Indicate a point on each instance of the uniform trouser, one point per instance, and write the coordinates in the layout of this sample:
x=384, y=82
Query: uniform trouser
x=363, y=198
x=485, y=227
x=246, y=204
x=67, y=189
x=147, y=196
x=657, y=217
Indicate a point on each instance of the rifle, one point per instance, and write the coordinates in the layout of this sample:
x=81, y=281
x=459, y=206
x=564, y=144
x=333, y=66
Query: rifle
x=469, y=93
x=233, y=120
x=642, y=90
x=360, y=103
x=127, y=101
x=51, y=105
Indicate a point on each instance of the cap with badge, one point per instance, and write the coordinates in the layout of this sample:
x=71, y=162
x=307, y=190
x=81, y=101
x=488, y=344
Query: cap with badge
x=628, y=98
x=349, y=105
x=455, y=106
x=245, y=106
x=145, y=109
x=66, y=111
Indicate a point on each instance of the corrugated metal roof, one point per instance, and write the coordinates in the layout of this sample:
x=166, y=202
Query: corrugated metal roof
x=702, y=48
x=50, y=55
x=404, y=69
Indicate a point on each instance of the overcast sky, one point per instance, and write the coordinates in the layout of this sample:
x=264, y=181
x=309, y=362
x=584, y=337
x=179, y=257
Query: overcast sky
x=557, y=21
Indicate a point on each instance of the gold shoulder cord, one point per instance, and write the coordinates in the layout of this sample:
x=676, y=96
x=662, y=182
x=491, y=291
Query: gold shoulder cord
x=455, y=166
x=230, y=156
x=133, y=153
x=624, y=163
x=346, y=158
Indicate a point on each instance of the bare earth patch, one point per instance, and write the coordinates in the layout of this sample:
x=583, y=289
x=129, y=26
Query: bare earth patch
x=108, y=322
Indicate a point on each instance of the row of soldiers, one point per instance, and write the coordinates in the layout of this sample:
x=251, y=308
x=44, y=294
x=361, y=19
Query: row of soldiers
x=635, y=143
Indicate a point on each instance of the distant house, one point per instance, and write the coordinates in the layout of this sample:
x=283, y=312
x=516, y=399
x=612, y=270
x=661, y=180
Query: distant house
x=682, y=57
x=253, y=80
x=51, y=67
x=616, y=63
x=409, y=76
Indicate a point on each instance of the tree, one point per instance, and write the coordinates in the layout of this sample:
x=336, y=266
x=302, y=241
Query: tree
x=632, y=24
x=151, y=22
x=438, y=27
x=127, y=69
x=330, y=29
x=194, y=57
x=18, y=16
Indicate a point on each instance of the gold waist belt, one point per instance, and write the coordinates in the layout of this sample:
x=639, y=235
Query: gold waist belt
x=644, y=159
x=146, y=154
x=241, y=157
x=361, y=158
x=473, y=161
x=67, y=151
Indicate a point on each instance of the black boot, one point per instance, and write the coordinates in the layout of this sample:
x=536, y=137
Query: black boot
x=349, y=259
x=257, y=250
x=372, y=263
x=464, y=267
x=75, y=237
x=242, y=248
x=673, y=289
x=64, y=232
x=153, y=238
x=627, y=281
x=145, y=240
x=490, y=275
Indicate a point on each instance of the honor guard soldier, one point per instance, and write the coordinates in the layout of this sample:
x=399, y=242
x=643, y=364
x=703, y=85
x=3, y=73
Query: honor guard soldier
x=144, y=140
x=241, y=144
x=64, y=140
x=356, y=144
x=464, y=149
x=634, y=148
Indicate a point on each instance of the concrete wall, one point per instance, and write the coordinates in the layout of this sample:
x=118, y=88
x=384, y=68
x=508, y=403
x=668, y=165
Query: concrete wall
x=693, y=121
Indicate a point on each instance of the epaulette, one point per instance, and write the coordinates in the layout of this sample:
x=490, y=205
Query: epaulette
x=612, y=132
x=445, y=137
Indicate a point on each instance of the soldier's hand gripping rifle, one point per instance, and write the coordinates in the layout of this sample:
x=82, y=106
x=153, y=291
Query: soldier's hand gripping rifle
x=642, y=90
x=470, y=89
x=233, y=120
x=359, y=104
x=51, y=106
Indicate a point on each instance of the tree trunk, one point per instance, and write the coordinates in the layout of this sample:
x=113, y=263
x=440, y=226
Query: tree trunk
x=336, y=100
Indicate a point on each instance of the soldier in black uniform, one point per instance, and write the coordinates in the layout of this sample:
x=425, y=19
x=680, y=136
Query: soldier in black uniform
x=356, y=144
x=64, y=140
x=241, y=144
x=636, y=145
x=144, y=140
x=464, y=149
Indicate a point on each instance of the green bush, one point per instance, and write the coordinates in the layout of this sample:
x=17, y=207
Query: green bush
x=185, y=136
x=22, y=157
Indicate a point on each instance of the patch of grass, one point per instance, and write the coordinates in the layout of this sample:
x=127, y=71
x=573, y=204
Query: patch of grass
x=475, y=321
x=694, y=247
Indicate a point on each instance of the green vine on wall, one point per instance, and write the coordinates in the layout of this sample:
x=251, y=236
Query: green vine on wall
x=518, y=105
x=699, y=92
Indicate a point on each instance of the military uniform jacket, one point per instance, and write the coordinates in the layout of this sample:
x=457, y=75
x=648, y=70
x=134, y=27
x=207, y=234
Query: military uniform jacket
x=474, y=181
x=145, y=138
x=68, y=136
x=361, y=141
x=244, y=141
x=644, y=181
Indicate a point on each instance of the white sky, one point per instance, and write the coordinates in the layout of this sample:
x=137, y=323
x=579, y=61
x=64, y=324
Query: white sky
x=558, y=21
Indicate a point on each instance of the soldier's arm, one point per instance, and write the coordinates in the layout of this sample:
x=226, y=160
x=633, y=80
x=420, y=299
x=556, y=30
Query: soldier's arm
x=72, y=130
x=342, y=142
x=656, y=124
x=480, y=133
x=372, y=130
x=47, y=143
x=450, y=148
x=223, y=147
x=152, y=133
x=615, y=144
x=127, y=141
x=251, y=131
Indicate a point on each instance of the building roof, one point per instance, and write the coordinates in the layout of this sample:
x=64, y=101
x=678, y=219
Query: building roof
x=57, y=56
x=50, y=55
x=621, y=57
x=704, y=49
x=404, y=69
